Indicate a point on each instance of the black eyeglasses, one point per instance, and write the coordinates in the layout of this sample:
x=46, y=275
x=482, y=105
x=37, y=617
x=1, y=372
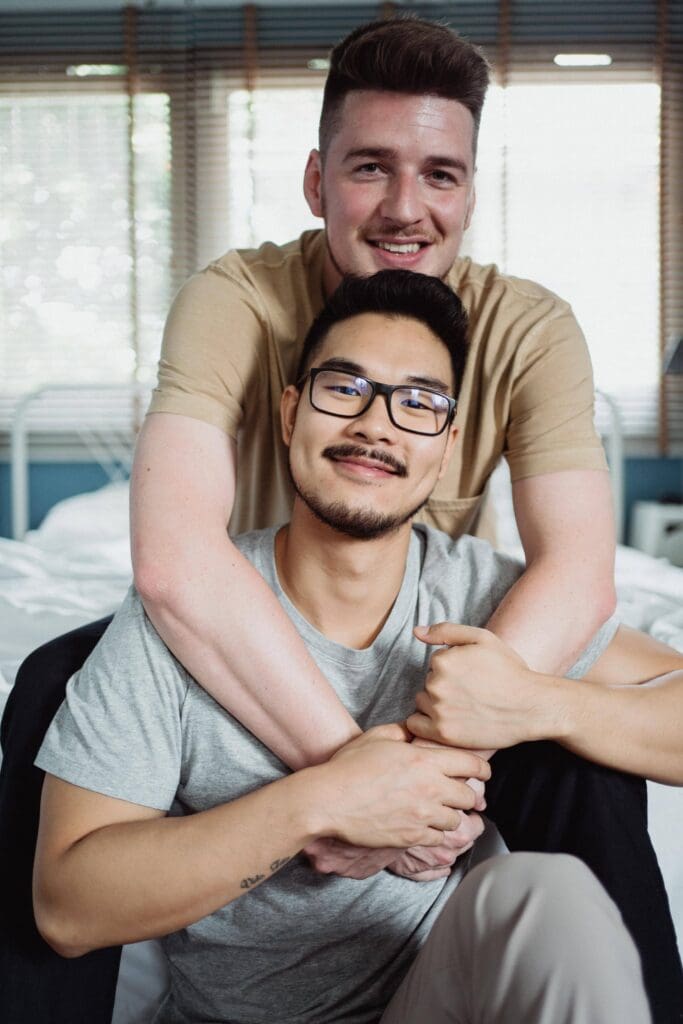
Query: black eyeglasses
x=415, y=409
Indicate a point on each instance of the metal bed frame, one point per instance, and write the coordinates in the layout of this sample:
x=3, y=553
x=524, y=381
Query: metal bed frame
x=112, y=446
x=101, y=419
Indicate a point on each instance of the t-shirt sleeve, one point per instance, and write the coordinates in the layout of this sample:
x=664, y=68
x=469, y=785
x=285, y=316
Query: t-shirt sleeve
x=118, y=731
x=465, y=580
x=551, y=425
x=597, y=647
x=213, y=350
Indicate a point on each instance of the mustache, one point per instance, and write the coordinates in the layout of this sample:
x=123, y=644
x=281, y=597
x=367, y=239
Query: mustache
x=350, y=451
x=398, y=234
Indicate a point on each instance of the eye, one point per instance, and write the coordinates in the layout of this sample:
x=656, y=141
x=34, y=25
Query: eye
x=348, y=390
x=369, y=169
x=416, y=400
x=442, y=178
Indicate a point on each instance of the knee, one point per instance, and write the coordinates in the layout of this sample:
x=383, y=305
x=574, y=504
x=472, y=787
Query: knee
x=543, y=870
x=557, y=883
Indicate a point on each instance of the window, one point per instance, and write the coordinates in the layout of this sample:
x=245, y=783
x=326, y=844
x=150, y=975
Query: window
x=568, y=195
x=137, y=144
x=267, y=161
x=84, y=284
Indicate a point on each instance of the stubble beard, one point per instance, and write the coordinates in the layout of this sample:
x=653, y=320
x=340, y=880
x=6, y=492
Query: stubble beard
x=359, y=524
x=369, y=273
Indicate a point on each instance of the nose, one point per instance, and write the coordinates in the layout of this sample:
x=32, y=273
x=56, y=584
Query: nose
x=402, y=201
x=374, y=424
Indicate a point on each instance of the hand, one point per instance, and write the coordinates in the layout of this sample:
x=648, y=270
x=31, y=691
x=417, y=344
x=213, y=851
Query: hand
x=381, y=790
x=335, y=857
x=476, y=785
x=478, y=692
x=425, y=863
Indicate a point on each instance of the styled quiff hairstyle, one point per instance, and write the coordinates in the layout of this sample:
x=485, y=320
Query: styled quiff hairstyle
x=408, y=55
x=397, y=294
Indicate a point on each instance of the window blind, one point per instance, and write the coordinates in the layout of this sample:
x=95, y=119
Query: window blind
x=182, y=129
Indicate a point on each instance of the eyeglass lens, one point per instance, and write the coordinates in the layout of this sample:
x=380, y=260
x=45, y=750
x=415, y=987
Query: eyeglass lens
x=345, y=394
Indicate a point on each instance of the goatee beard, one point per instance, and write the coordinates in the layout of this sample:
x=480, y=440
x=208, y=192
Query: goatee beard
x=359, y=524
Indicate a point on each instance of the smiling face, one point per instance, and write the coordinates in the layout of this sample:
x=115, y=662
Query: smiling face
x=396, y=187
x=364, y=476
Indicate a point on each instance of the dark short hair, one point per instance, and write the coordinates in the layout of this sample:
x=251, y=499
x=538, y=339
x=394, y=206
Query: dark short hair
x=409, y=55
x=395, y=293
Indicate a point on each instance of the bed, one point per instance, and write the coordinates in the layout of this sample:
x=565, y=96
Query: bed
x=76, y=567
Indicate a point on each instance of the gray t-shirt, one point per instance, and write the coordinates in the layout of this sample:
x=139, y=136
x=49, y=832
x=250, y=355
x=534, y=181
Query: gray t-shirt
x=302, y=948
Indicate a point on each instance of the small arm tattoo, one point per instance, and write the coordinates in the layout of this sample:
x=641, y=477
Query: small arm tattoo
x=252, y=880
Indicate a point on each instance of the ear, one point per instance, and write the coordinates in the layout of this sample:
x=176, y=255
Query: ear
x=313, y=183
x=452, y=433
x=471, y=203
x=288, y=406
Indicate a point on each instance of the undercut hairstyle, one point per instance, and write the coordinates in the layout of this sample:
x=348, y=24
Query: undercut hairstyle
x=395, y=294
x=408, y=55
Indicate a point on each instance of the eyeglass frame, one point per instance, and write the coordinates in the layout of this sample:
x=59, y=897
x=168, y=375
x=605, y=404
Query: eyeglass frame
x=377, y=388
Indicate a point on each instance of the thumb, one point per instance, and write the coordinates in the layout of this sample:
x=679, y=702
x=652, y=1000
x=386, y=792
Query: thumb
x=449, y=633
x=390, y=731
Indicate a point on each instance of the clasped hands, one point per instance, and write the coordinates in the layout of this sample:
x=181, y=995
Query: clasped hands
x=479, y=696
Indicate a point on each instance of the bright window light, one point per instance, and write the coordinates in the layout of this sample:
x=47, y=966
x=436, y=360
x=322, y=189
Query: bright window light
x=582, y=60
x=95, y=70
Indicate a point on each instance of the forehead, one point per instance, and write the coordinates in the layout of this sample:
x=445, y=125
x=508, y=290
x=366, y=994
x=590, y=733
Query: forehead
x=420, y=125
x=388, y=349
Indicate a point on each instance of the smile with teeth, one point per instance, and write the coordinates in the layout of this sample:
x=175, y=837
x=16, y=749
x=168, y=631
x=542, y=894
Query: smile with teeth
x=399, y=247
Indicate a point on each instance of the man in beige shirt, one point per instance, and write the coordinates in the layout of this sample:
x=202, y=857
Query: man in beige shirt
x=394, y=182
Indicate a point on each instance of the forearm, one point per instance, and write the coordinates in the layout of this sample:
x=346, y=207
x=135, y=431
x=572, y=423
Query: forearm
x=140, y=879
x=550, y=615
x=230, y=632
x=208, y=603
x=108, y=871
x=636, y=728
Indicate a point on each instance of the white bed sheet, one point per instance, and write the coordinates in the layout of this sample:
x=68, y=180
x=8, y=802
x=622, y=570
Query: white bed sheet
x=76, y=568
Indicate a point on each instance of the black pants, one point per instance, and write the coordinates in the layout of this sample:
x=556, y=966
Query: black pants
x=541, y=797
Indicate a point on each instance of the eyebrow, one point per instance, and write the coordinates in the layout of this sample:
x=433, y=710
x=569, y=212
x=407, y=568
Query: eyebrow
x=386, y=153
x=418, y=380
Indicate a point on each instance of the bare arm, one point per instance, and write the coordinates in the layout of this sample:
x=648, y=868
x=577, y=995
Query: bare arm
x=566, y=525
x=108, y=871
x=627, y=713
x=208, y=603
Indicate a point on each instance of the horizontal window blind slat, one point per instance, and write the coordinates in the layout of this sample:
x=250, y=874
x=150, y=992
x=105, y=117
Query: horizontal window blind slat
x=229, y=168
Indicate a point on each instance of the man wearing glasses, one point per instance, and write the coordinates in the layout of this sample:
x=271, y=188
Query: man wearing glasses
x=256, y=934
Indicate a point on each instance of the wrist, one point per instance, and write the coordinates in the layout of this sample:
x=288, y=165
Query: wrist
x=556, y=707
x=312, y=803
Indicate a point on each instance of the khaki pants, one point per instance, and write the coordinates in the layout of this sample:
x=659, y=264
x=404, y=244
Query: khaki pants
x=527, y=938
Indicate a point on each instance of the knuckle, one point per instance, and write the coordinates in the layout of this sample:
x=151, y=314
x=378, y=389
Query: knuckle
x=469, y=797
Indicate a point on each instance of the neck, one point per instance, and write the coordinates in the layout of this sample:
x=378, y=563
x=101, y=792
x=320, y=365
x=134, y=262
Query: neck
x=346, y=588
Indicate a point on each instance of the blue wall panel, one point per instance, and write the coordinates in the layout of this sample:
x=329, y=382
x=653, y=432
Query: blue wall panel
x=49, y=482
x=647, y=479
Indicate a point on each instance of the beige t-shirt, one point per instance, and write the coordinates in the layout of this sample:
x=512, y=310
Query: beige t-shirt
x=236, y=329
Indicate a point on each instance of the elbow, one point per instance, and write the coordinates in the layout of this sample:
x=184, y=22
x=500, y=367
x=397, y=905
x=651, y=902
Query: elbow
x=604, y=600
x=169, y=597
x=59, y=931
x=155, y=585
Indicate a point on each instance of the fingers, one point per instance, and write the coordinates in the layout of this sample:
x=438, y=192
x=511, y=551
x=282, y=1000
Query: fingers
x=457, y=763
x=479, y=789
x=428, y=875
x=422, y=725
x=451, y=634
x=447, y=820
